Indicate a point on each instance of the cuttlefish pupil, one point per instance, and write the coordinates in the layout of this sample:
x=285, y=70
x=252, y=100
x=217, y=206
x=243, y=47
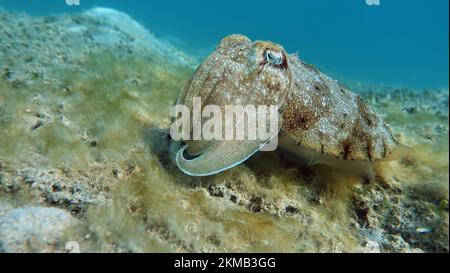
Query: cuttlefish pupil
x=275, y=58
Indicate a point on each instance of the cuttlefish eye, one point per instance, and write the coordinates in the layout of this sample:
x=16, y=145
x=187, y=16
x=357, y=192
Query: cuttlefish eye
x=275, y=58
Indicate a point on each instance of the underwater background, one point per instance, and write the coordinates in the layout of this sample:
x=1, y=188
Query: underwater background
x=85, y=94
x=401, y=42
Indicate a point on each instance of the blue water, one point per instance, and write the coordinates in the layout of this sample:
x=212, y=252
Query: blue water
x=399, y=42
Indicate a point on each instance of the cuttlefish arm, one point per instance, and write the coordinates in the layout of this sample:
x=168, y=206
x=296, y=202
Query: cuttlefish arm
x=222, y=156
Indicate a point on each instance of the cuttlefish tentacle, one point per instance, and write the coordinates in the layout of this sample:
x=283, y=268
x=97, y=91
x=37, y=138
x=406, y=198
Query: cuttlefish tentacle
x=222, y=156
x=238, y=72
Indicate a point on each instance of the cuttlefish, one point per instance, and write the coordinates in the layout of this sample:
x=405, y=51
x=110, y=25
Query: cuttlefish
x=320, y=121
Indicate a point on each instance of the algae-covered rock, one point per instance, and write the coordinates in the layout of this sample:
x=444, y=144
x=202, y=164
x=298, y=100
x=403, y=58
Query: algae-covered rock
x=84, y=116
x=33, y=229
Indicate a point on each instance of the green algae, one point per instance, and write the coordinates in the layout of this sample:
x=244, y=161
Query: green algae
x=105, y=123
x=94, y=107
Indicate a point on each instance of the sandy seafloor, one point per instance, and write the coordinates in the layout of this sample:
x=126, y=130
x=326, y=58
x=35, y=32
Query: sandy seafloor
x=84, y=103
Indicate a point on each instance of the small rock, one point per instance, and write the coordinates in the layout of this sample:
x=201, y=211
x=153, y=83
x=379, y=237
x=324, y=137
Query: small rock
x=33, y=229
x=291, y=209
x=372, y=247
x=423, y=230
x=216, y=191
x=37, y=125
x=256, y=204
x=411, y=110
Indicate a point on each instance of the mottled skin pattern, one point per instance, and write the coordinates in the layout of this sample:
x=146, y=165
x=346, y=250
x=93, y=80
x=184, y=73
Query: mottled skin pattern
x=318, y=114
x=236, y=73
x=322, y=115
